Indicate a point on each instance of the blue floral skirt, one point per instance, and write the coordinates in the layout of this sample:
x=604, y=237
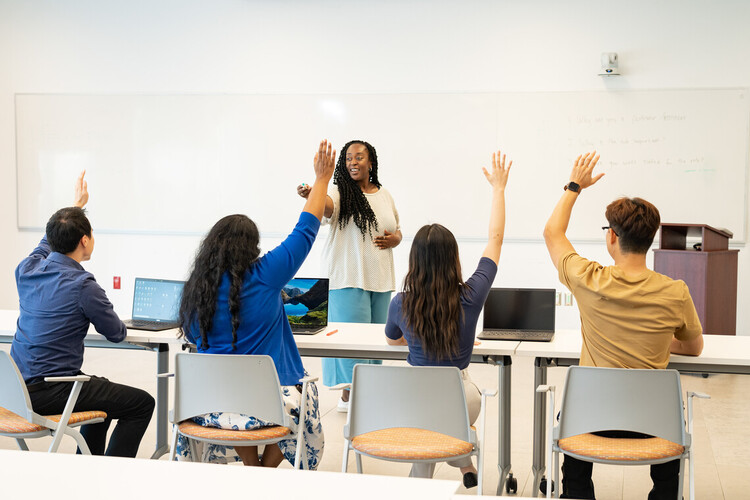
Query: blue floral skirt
x=214, y=453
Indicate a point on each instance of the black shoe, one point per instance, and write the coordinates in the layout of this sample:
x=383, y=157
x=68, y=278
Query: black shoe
x=470, y=480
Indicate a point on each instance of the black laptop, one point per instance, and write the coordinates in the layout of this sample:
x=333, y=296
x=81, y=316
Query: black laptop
x=519, y=314
x=306, y=305
x=156, y=304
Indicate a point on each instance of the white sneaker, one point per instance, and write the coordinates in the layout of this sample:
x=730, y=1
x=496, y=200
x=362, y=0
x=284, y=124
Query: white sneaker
x=343, y=406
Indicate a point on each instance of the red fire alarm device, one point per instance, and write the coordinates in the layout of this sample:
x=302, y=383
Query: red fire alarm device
x=116, y=282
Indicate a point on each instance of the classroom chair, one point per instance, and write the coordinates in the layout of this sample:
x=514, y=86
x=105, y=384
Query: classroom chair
x=412, y=414
x=19, y=421
x=605, y=399
x=246, y=384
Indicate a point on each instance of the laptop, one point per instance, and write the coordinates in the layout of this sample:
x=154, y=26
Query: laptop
x=519, y=314
x=156, y=304
x=306, y=305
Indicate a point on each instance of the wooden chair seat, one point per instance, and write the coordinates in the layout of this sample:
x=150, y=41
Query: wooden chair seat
x=620, y=449
x=10, y=423
x=407, y=443
x=191, y=429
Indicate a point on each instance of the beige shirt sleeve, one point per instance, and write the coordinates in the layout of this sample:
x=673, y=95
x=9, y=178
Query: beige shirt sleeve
x=574, y=269
x=692, y=328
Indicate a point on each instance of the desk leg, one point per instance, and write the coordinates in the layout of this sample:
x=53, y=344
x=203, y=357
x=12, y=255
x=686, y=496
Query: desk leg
x=540, y=432
x=503, y=444
x=162, y=402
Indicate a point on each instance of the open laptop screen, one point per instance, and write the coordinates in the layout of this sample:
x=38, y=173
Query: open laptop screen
x=157, y=300
x=531, y=309
x=306, y=302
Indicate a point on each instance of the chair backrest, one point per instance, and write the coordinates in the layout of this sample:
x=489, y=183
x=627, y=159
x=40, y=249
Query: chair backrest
x=425, y=397
x=599, y=399
x=13, y=393
x=247, y=384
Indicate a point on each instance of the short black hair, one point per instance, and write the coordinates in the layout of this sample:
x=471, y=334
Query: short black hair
x=65, y=229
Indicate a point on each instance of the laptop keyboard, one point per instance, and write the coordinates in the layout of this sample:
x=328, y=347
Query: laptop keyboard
x=515, y=335
x=143, y=322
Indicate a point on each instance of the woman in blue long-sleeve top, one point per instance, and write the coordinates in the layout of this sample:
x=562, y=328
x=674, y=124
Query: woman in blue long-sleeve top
x=231, y=304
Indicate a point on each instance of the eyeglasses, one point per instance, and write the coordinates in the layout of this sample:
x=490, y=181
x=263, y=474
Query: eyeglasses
x=605, y=228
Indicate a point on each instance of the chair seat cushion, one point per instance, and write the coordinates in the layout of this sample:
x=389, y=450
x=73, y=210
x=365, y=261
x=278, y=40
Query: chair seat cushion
x=14, y=424
x=191, y=429
x=407, y=443
x=620, y=449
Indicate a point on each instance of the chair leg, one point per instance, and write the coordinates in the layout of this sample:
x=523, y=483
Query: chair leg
x=480, y=468
x=173, y=448
x=345, y=464
x=22, y=445
x=80, y=441
x=358, y=459
x=557, y=484
x=422, y=469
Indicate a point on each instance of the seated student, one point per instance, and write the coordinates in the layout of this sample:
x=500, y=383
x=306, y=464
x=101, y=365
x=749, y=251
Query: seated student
x=436, y=314
x=59, y=300
x=631, y=317
x=231, y=304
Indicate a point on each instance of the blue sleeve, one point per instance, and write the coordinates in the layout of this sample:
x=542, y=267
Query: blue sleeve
x=98, y=309
x=42, y=250
x=278, y=266
x=481, y=281
x=392, y=330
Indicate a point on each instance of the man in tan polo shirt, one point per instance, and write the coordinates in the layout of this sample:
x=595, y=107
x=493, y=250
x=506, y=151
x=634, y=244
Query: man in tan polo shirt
x=631, y=316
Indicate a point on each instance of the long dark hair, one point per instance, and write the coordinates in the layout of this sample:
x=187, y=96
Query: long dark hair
x=231, y=247
x=354, y=205
x=433, y=287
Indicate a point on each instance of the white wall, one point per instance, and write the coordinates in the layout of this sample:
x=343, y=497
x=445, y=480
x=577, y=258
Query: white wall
x=233, y=46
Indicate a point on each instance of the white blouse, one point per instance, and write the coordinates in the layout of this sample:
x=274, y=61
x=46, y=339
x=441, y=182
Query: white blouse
x=354, y=261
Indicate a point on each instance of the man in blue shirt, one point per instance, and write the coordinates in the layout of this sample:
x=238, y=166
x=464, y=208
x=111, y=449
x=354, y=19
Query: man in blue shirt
x=58, y=301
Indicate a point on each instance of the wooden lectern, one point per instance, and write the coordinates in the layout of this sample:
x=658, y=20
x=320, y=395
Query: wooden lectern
x=710, y=272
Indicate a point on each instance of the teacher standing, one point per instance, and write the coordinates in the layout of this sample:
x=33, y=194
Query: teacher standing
x=364, y=228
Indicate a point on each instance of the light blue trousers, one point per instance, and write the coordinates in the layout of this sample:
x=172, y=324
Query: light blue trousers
x=353, y=305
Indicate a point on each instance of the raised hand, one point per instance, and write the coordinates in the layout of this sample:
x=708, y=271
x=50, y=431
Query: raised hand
x=81, y=196
x=583, y=169
x=324, y=162
x=498, y=178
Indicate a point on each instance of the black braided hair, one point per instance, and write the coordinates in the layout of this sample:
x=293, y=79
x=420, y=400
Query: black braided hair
x=231, y=247
x=354, y=205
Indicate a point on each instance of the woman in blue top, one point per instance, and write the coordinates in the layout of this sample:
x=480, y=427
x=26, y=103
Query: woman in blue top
x=231, y=304
x=436, y=314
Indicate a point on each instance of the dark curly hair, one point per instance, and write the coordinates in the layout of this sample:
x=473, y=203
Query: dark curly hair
x=354, y=205
x=230, y=247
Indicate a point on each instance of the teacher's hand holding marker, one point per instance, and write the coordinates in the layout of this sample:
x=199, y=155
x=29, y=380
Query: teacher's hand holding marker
x=364, y=229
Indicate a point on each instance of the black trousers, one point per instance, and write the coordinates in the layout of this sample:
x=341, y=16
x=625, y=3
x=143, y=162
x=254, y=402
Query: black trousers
x=131, y=407
x=577, y=483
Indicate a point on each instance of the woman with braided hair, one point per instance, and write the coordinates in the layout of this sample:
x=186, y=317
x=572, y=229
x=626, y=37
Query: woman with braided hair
x=364, y=228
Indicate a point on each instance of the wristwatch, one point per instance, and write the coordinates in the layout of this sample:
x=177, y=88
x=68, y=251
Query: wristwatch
x=573, y=187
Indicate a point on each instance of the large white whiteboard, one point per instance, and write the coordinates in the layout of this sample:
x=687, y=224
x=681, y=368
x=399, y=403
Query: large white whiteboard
x=176, y=164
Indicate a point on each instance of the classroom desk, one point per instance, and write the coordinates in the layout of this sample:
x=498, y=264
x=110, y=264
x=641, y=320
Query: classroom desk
x=136, y=339
x=367, y=341
x=721, y=354
x=69, y=476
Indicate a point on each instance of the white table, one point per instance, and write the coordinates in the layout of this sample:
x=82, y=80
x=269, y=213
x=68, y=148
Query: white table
x=68, y=476
x=721, y=354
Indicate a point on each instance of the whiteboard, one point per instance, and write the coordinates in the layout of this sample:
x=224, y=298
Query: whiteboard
x=169, y=164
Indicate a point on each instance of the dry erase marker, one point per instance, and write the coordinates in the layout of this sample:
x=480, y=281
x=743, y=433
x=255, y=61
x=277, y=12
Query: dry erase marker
x=331, y=333
x=477, y=343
